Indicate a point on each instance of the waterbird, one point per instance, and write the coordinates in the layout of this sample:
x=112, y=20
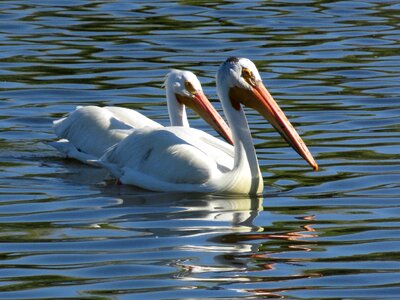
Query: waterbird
x=87, y=132
x=188, y=160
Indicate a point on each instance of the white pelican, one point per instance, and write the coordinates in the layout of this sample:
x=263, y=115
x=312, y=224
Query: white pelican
x=186, y=159
x=89, y=131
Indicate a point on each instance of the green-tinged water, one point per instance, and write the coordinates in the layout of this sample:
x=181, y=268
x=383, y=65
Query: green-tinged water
x=68, y=232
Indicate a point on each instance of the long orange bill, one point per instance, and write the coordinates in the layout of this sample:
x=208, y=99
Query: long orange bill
x=277, y=118
x=202, y=106
x=261, y=100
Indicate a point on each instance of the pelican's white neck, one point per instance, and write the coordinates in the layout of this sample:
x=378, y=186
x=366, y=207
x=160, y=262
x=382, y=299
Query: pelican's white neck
x=176, y=110
x=245, y=158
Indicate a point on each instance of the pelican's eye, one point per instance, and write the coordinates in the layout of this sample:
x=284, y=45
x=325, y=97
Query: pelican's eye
x=248, y=76
x=189, y=87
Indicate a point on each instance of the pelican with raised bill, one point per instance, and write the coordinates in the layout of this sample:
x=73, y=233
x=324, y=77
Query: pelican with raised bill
x=89, y=131
x=185, y=159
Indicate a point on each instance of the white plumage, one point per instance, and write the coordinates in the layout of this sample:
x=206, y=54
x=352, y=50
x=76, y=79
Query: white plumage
x=158, y=157
x=186, y=159
x=89, y=131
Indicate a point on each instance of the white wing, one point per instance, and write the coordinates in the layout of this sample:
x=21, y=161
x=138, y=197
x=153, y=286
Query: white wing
x=162, y=158
x=91, y=130
x=131, y=117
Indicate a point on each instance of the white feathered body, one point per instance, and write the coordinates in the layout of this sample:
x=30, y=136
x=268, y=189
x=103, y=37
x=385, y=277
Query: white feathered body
x=169, y=159
x=89, y=131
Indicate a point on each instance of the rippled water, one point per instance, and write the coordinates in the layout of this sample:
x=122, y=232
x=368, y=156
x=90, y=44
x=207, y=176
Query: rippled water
x=66, y=231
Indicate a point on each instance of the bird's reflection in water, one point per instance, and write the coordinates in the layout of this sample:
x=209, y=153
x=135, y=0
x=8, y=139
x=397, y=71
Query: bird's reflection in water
x=213, y=240
x=237, y=212
x=197, y=224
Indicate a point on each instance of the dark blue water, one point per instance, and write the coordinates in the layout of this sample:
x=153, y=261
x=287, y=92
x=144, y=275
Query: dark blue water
x=67, y=232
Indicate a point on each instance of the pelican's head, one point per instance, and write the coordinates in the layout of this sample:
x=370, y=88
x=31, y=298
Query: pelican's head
x=182, y=83
x=187, y=90
x=240, y=79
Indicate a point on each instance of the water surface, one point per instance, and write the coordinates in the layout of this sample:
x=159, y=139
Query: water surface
x=66, y=231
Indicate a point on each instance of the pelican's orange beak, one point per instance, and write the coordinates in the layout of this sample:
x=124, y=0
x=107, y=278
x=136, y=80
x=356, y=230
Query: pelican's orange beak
x=261, y=100
x=202, y=106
